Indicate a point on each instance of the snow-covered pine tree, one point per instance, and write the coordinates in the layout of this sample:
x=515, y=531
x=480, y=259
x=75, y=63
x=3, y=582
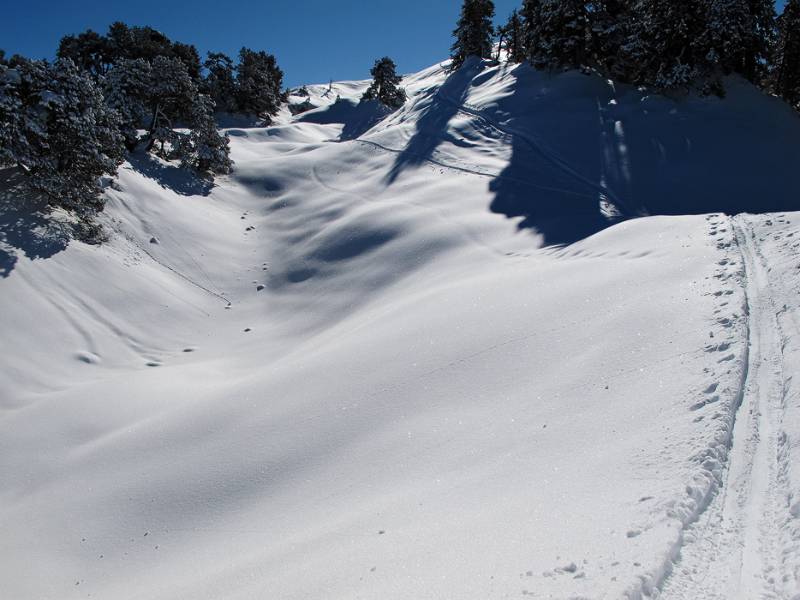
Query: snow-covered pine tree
x=258, y=84
x=385, y=84
x=760, y=41
x=205, y=149
x=474, y=32
x=61, y=133
x=88, y=50
x=727, y=33
x=563, y=34
x=120, y=41
x=786, y=67
x=219, y=82
x=515, y=38
x=11, y=116
x=663, y=45
x=172, y=94
x=531, y=15
x=610, y=27
x=188, y=55
x=127, y=90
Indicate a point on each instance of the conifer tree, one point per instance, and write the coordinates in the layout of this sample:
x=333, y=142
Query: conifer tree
x=172, y=93
x=88, y=50
x=205, y=149
x=385, y=84
x=760, y=41
x=127, y=91
x=56, y=128
x=563, y=34
x=258, y=82
x=531, y=15
x=514, y=31
x=739, y=35
x=663, y=46
x=727, y=34
x=786, y=75
x=220, y=82
x=610, y=28
x=474, y=32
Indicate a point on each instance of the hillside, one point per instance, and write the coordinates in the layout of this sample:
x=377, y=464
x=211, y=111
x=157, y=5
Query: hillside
x=421, y=354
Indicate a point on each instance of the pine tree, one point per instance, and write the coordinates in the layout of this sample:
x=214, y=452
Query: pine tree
x=120, y=42
x=258, y=82
x=610, y=28
x=204, y=148
x=474, y=32
x=89, y=51
x=11, y=116
x=563, y=34
x=61, y=133
x=531, y=15
x=127, y=90
x=220, y=83
x=187, y=54
x=663, y=46
x=515, y=38
x=786, y=75
x=728, y=25
x=385, y=82
x=172, y=93
x=760, y=40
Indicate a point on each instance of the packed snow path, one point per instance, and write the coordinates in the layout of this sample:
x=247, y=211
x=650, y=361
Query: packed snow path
x=734, y=550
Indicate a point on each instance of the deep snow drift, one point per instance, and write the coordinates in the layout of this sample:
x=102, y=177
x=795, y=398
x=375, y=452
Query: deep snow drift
x=419, y=355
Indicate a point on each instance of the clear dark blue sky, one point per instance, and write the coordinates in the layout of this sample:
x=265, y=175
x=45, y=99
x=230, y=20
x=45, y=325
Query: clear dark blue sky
x=314, y=40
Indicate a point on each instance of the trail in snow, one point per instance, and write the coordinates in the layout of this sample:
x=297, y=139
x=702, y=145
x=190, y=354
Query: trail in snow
x=733, y=551
x=132, y=240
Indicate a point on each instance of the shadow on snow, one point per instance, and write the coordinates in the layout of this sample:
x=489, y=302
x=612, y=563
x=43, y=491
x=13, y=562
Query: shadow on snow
x=26, y=228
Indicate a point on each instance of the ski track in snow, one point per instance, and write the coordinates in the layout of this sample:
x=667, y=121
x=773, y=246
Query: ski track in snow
x=734, y=548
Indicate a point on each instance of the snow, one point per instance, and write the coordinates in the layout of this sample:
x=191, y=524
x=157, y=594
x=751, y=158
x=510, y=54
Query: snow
x=463, y=376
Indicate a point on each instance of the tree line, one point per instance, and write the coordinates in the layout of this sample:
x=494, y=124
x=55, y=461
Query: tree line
x=664, y=44
x=68, y=122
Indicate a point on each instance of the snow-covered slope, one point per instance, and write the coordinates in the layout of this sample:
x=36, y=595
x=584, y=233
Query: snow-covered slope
x=419, y=355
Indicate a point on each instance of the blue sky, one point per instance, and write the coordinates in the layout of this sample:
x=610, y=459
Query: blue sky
x=314, y=40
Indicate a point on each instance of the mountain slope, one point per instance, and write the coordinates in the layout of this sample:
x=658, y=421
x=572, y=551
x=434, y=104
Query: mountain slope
x=425, y=399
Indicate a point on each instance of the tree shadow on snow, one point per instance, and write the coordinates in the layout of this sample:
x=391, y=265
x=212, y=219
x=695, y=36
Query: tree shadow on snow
x=432, y=126
x=171, y=177
x=586, y=154
x=356, y=117
x=555, y=200
x=26, y=227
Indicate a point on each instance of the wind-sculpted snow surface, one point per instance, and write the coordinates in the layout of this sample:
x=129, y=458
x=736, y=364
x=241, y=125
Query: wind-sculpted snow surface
x=340, y=373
